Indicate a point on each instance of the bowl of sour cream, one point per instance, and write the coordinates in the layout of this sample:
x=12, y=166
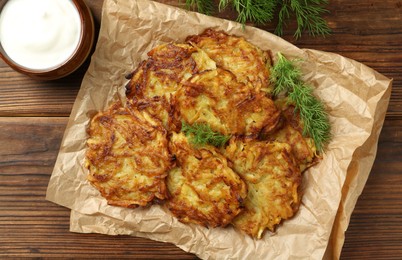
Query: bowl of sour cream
x=45, y=39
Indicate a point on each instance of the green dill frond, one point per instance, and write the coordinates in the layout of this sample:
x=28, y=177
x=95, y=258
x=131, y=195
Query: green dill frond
x=201, y=134
x=258, y=11
x=283, y=74
x=283, y=15
x=286, y=77
x=202, y=6
x=308, y=15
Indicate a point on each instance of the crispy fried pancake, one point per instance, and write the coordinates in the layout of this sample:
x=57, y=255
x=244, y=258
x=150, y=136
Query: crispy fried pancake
x=165, y=69
x=127, y=157
x=291, y=132
x=303, y=148
x=243, y=59
x=203, y=188
x=216, y=98
x=273, y=179
x=155, y=81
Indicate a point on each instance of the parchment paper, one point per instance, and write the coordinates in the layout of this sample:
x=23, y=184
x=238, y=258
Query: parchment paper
x=355, y=96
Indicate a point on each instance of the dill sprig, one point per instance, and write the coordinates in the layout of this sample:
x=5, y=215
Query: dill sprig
x=258, y=11
x=201, y=134
x=202, y=6
x=307, y=13
x=286, y=77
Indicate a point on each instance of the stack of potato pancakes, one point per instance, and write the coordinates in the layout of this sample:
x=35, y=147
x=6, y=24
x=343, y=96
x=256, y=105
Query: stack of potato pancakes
x=138, y=155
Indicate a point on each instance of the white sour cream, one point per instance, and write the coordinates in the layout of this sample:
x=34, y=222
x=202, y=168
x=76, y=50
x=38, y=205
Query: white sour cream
x=39, y=34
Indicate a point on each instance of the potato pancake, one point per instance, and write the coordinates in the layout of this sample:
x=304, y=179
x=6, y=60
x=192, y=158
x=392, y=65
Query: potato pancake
x=216, y=98
x=203, y=188
x=166, y=68
x=273, y=179
x=127, y=157
x=155, y=81
x=291, y=132
x=249, y=63
x=303, y=148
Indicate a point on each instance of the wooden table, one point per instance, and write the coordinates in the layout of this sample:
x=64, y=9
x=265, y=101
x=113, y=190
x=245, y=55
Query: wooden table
x=33, y=116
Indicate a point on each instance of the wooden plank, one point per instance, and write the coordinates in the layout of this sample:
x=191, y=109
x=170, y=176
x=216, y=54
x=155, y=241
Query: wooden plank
x=29, y=152
x=21, y=95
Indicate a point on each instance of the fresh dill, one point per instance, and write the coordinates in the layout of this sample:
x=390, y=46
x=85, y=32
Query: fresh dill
x=201, y=134
x=202, y=6
x=307, y=13
x=258, y=11
x=286, y=77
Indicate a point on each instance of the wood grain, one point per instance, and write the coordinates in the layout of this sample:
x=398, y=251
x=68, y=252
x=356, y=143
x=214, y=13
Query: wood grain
x=33, y=116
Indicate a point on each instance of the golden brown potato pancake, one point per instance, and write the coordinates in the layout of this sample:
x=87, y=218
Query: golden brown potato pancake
x=155, y=81
x=249, y=63
x=127, y=157
x=303, y=148
x=216, y=98
x=166, y=68
x=273, y=179
x=291, y=131
x=203, y=188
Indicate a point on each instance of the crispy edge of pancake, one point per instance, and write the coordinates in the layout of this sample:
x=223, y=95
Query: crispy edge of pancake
x=203, y=189
x=127, y=157
x=290, y=130
x=166, y=68
x=234, y=53
x=273, y=180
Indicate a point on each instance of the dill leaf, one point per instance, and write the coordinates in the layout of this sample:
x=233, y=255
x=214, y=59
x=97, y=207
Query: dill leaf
x=201, y=134
x=286, y=77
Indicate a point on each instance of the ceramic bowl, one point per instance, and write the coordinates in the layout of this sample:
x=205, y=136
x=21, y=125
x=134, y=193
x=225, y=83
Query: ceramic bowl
x=78, y=57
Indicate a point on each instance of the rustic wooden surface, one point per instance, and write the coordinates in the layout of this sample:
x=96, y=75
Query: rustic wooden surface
x=33, y=116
